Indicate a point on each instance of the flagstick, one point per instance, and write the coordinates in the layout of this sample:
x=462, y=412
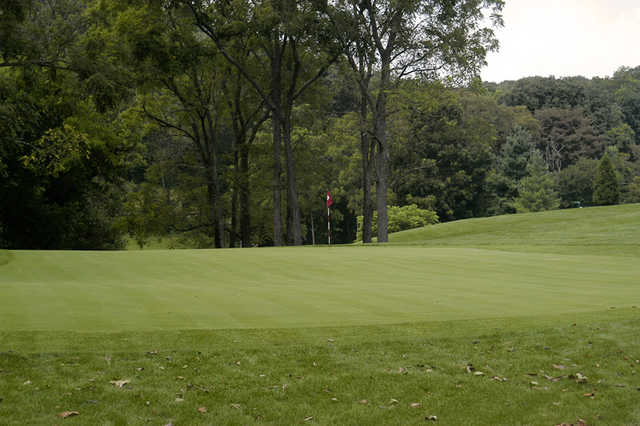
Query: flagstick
x=313, y=231
x=329, y=223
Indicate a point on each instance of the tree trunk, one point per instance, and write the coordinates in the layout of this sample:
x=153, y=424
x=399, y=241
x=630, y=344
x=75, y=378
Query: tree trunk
x=367, y=173
x=294, y=231
x=276, y=123
x=245, y=207
x=382, y=155
x=234, y=197
x=214, y=208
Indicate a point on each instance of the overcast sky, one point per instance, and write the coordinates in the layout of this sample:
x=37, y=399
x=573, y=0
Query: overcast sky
x=565, y=38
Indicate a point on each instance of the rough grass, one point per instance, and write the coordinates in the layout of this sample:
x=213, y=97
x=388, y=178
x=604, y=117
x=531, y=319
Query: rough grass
x=344, y=375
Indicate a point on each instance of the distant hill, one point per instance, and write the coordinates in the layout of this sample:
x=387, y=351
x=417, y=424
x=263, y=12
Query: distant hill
x=593, y=230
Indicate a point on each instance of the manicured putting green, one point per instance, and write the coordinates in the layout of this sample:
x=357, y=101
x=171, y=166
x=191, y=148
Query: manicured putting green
x=296, y=287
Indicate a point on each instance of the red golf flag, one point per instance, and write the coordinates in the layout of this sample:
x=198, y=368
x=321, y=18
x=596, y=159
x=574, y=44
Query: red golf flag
x=329, y=200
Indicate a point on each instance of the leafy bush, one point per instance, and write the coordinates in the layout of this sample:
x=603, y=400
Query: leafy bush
x=402, y=218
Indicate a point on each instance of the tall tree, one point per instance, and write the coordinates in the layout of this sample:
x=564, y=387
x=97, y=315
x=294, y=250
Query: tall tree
x=537, y=192
x=607, y=190
x=432, y=39
x=288, y=39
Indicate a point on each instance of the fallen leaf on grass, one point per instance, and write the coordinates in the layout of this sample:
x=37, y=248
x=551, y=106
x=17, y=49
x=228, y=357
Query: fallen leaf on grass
x=120, y=383
x=590, y=394
x=66, y=414
x=470, y=368
x=431, y=418
x=179, y=399
x=28, y=382
x=415, y=405
x=364, y=402
x=534, y=383
x=393, y=401
x=236, y=406
x=203, y=410
x=499, y=379
x=580, y=378
x=308, y=419
x=478, y=373
x=559, y=366
x=580, y=422
x=334, y=399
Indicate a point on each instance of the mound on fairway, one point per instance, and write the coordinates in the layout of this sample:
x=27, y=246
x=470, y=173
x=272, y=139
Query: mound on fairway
x=611, y=230
x=302, y=287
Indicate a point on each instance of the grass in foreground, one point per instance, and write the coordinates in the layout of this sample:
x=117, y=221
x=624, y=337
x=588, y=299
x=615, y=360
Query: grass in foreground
x=393, y=374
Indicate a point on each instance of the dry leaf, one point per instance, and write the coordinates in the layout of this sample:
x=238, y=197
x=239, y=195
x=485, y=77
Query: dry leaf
x=590, y=394
x=308, y=419
x=393, y=401
x=66, y=414
x=559, y=366
x=431, y=418
x=534, y=383
x=334, y=399
x=203, y=410
x=236, y=406
x=120, y=383
x=414, y=405
x=179, y=399
x=28, y=382
x=478, y=373
x=364, y=401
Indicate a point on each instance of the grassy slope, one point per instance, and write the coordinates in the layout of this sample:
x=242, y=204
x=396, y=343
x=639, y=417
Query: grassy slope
x=596, y=230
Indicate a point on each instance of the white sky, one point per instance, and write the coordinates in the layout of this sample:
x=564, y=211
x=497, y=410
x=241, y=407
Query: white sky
x=565, y=38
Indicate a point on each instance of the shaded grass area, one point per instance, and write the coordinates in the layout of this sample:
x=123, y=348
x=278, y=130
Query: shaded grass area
x=343, y=375
x=5, y=257
x=301, y=287
x=613, y=230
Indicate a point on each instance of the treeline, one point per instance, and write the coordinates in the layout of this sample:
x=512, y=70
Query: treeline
x=223, y=124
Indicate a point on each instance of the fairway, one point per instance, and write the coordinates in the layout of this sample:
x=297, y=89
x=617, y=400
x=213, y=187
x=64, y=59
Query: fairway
x=288, y=287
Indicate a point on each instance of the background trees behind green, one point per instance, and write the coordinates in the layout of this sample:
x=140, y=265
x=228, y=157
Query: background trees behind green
x=134, y=121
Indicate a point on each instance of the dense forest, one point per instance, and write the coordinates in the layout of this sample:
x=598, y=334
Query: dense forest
x=225, y=123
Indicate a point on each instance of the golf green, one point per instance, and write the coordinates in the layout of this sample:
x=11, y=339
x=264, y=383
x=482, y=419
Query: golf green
x=294, y=287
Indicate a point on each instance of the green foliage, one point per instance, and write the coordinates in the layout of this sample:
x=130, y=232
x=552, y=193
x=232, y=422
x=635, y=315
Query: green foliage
x=576, y=183
x=403, y=218
x=537, y=191
x=606, y=190
x=633, y=195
